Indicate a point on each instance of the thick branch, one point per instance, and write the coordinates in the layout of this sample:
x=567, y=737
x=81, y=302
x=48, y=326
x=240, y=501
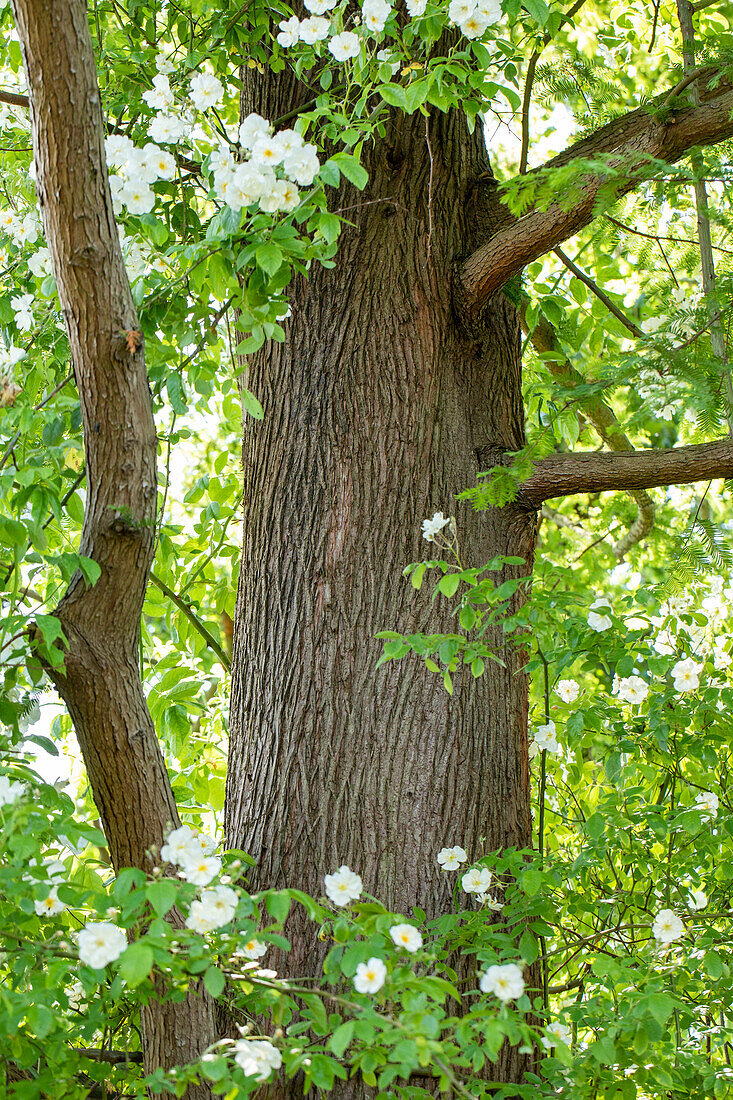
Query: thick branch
x=525, y=239
x=563, y=475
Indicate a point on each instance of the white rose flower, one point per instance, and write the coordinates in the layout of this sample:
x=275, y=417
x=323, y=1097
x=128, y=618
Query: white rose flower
x=10, y=791
x=50, y=905
x=168, y=128
x=631, y=689
x=202, y=870
x=160, y=97
x=667, y=926
x=302, y=165
x=431, y=527
x=137, y=197
x=100, y=944
x=254, y=126
x=289, y=32
x=477, y=880
x=319, y=7
x=343, y=886
x=474, y=25
x=254, y=949
x=707, y=802
x=568, y=690
x=599, y=622
x=218, y=905
x=698, y=899
x=686, y=675
x=721, y=657
x=344, y=46
x=40, y=263
x=22, y=307
x=546, y=738
x=206, y=90
x=490, y=10
x=370, y=976
x=450, y=859
x=416, y=8
x=314, y=29
x=200, y=918
x=407, y=936
x=460, y=10
x=375, y=14
x=505, y=982
x=257, y=1057
x=557, y=1033
x=181, y=846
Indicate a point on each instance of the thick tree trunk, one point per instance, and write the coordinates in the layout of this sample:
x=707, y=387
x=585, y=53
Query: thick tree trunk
x=379, y=407
x=100, y=682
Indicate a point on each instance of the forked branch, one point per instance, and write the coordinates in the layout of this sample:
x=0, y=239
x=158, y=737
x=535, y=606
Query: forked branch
x=636, y=134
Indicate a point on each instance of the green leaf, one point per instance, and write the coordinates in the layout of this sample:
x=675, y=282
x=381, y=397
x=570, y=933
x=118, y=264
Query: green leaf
x=12, y=533
x=350, y=167
x=269, y=257
x=251, y=405
x=394, y=94
x=448, y=584
x=277, y=904
x=418, y=574
x=162, y=895
x=341, y=1038
x=214, y=981
x=136, y=963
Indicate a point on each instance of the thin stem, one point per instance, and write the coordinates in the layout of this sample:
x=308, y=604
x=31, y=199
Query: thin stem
x=599, y=293
x=187, y=610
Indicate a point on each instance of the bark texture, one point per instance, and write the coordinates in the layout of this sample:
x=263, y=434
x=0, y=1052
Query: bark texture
x=379, y=407
x=101, y=683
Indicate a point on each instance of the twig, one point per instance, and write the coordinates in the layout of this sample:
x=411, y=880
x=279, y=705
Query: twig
x=599, y=293
x=112, y=1057
x=9, y=449
x=186, y=609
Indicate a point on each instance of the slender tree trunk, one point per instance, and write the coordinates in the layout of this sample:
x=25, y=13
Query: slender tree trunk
x=100, y=682
x=379, y=407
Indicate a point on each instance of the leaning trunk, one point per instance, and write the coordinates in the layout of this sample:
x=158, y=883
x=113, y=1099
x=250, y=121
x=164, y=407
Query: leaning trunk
x=379, y=407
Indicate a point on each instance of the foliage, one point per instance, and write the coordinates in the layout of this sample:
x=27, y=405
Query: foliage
x=634, y=813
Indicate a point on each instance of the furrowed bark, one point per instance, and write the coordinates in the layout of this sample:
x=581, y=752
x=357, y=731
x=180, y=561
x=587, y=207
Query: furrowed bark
x=563, y=475
x=101, y=683
x=520, y=241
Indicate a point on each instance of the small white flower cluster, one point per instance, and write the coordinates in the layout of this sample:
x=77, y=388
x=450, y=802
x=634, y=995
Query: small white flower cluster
x=54, y=874
x=215, y=908
x=22, y=307
x=255, y=180
x=370, y=976
x=707, y=803
x=686, y=675
x=476, y=881
x=473, y=17
x=23, y=230
x=630, y=689
x=192, y=852
x=138, y=169
x=101, y=943
x=556, y=1033
x=505, y=982
x=257, y=1057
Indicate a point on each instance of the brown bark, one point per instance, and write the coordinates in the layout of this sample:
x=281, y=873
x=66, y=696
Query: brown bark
x=379, y=407
x=101, y=683
x=520, y=241
x=563, y=475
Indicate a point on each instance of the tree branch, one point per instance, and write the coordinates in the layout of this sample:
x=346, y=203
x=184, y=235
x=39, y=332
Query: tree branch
x=599, y=293
x=564, y=475
x=13, y=99
x=520, y=241
x=185, y=607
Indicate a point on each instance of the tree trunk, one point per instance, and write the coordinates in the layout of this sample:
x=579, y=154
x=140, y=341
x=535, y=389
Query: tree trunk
x=100, y=682
x=379, y=407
